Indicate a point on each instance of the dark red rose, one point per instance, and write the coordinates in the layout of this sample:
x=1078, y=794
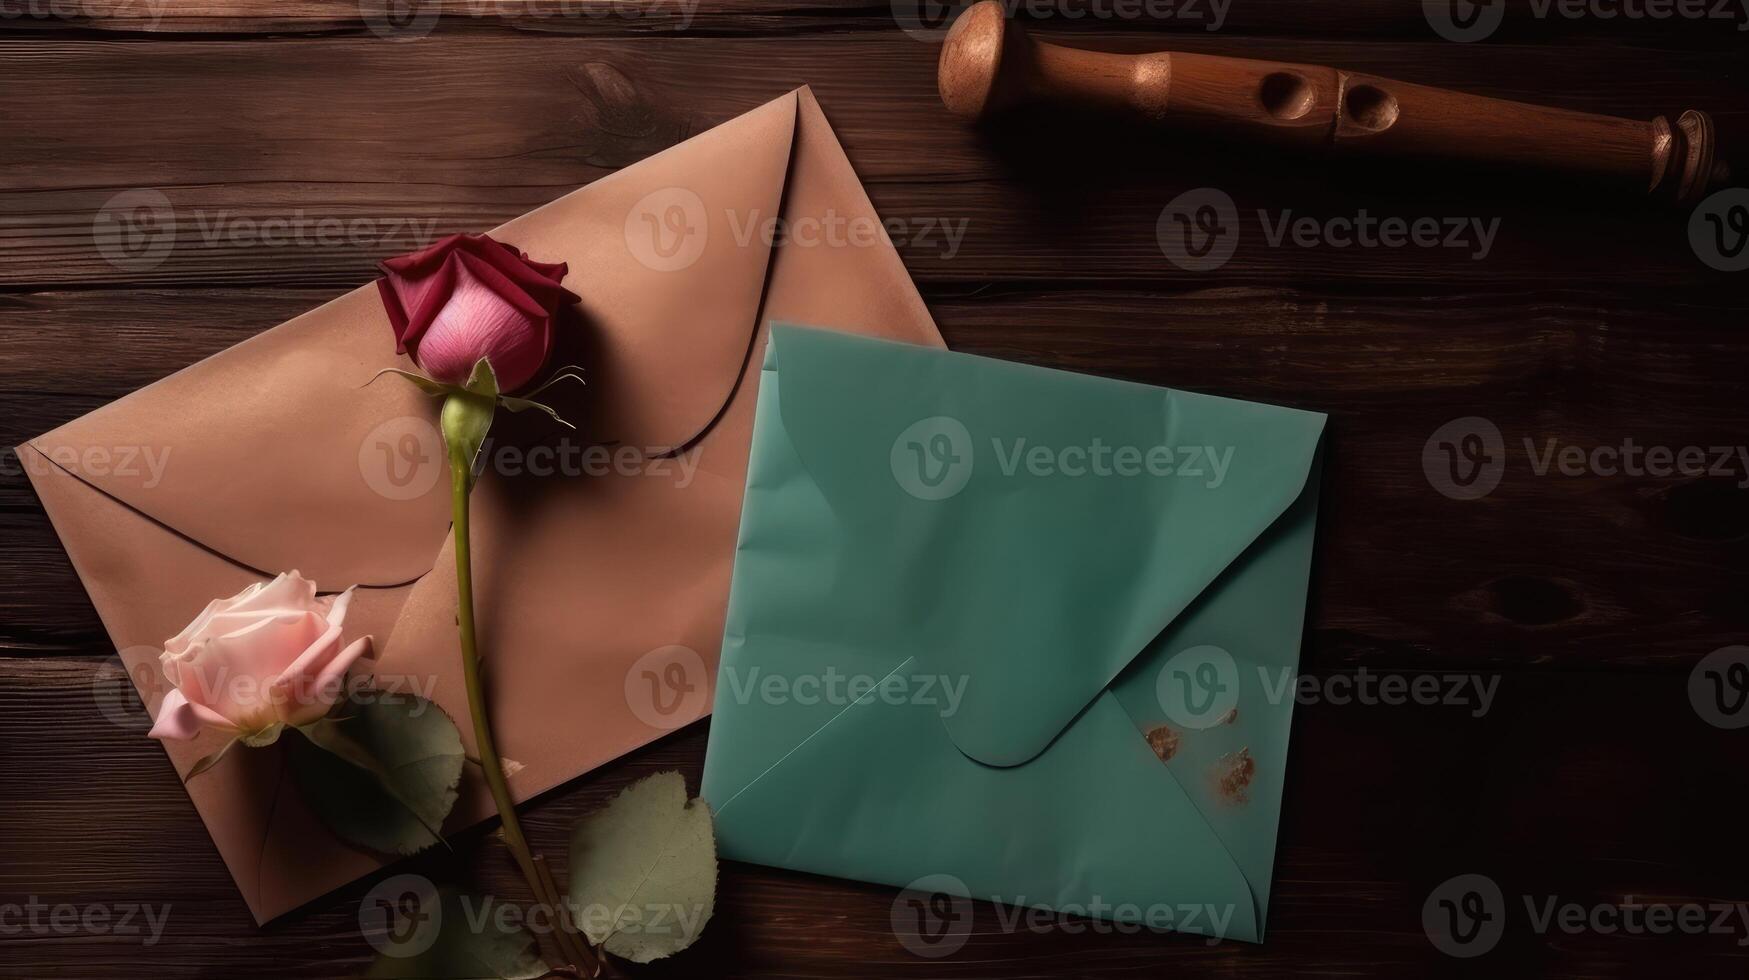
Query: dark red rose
x=468, y=297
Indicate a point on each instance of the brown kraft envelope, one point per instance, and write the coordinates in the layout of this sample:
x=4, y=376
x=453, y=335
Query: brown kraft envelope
x=600, y=590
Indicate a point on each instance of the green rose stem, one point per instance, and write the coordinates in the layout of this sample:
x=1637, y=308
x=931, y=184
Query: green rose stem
x=466, y=417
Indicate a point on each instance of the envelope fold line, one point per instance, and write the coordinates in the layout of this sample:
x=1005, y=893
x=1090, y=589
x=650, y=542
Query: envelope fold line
x=191, y=539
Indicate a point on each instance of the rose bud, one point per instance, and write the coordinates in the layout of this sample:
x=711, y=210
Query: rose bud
x=469, y=297
x=271, y=654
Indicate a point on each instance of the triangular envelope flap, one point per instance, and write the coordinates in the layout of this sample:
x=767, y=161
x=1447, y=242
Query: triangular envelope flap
x=1056, y=522
x=276, y=455
x=670, y=258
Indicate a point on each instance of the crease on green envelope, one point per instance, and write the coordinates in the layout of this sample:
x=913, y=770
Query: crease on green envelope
x=1057, y=597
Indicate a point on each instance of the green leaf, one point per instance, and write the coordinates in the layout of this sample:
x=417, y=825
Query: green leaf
x=332, y=736
x=644, y=870
x=385, y=776
x=456, y=938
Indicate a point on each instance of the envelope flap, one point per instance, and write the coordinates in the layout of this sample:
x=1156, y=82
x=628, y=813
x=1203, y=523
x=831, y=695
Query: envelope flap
x=1050, y=524
x=670, y=257
x=276, y=454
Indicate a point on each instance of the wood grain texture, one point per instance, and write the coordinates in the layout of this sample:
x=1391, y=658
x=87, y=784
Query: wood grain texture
x=1710, y=24
x=1587, y=599
x=1575, y=784
x=315, y=196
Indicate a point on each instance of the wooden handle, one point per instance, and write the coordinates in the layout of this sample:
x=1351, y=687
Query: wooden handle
x=988, y=65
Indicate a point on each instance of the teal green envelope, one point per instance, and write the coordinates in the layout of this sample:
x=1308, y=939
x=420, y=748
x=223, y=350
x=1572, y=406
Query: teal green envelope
x=965, y=593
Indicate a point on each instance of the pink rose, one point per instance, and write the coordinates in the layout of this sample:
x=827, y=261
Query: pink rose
x=468, y=297
x=268, y=655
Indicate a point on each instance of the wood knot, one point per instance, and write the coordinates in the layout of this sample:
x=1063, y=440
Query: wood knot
x=1531, y=601
x=620, y=124
x=1711, y=509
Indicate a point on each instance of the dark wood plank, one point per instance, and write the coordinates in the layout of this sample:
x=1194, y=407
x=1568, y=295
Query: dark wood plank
x=1587, y=599
x=1690, y=25
x=385, y=145
x=1583, y=786
x=1576, y=570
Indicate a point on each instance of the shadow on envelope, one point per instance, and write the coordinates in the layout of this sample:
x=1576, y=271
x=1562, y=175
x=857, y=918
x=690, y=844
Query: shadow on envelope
x=281, y=457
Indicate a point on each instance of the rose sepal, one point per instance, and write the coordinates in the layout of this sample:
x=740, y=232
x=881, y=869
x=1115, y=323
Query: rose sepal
x=468, y=408
x=467, y=417
x=250, y=740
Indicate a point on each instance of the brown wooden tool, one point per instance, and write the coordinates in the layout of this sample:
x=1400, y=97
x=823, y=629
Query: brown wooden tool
x=988, y=65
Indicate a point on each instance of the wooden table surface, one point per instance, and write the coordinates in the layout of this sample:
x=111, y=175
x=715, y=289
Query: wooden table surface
x=1589, y=597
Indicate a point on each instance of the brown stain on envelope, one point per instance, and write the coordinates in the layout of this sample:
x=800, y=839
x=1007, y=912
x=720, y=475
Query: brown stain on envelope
x=1232, y=774
x=1163, y=739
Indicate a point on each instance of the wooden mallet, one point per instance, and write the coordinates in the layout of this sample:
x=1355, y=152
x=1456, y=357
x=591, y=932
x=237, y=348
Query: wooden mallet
x=988, y=65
